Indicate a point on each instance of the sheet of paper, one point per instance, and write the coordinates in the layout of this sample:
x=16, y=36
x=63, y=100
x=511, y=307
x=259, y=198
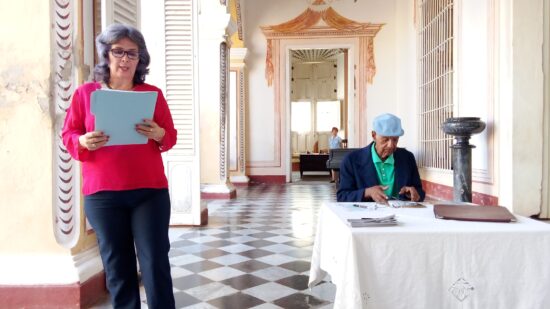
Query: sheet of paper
x=117, y=113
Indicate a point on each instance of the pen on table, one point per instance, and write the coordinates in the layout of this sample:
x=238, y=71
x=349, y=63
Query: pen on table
x=375, y=206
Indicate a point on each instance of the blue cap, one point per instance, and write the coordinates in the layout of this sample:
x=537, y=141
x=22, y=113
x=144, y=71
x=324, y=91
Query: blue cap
x=387, y=125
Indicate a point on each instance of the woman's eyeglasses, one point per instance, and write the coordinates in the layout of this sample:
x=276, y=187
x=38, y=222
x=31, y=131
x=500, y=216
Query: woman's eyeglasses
x=119, y=53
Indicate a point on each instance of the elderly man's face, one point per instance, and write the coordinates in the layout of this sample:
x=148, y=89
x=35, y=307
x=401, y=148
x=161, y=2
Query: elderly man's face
x=385, y=145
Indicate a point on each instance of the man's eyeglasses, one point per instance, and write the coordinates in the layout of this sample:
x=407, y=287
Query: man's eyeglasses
x=119, y=53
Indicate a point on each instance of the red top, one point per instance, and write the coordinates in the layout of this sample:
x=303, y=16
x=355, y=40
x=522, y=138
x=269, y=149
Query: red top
x=123, y=167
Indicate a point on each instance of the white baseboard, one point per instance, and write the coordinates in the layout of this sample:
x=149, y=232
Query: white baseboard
x=33, y=269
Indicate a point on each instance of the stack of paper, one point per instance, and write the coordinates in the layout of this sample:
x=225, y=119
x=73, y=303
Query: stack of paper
x=388, y=220
x=118, y=112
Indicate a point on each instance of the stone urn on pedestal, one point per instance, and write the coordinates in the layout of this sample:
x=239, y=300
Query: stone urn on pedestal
x=462, y=128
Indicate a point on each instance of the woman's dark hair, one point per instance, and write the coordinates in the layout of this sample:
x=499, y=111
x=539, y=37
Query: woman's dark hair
x=110, y=36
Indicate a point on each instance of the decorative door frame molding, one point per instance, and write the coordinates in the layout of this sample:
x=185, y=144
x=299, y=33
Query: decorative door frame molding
x=307, y=26
x=304, y=27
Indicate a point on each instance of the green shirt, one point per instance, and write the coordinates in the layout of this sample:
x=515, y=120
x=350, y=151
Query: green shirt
x=385, y=171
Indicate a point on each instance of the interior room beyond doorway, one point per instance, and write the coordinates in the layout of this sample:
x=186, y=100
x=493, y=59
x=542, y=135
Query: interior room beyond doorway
x=318, y=103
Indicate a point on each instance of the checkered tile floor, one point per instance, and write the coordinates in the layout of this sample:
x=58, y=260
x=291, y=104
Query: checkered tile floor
x=254, y=252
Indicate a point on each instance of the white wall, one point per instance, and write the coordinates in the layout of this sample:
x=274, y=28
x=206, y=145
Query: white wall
x=26, y=130
x=260, y=112
x=405, y=74
x=475, y=81
x=340, y=94
x=394, y=80
x=340, y=76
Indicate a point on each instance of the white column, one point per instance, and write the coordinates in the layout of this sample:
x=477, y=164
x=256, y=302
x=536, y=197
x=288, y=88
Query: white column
x=237, y=118
x=520, y=105
x=214, y=25
x=545, y=211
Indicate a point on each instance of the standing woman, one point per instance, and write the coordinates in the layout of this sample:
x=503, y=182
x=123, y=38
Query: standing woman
x=334, y=142
x=125, y=189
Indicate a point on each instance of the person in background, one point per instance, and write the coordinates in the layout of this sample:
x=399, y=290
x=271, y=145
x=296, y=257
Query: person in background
x=380, y=171
x=125, y=189
x=334, y=142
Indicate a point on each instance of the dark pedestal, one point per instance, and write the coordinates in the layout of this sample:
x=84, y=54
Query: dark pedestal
x=462, y=128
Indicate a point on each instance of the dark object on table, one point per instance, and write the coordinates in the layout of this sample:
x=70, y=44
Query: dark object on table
x=473, y=213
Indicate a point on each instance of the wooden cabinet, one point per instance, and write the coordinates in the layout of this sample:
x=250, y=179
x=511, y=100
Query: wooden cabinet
x=313, y=163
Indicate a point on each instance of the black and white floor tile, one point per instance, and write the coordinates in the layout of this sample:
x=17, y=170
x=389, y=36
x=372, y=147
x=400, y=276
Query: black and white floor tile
x=254, y=253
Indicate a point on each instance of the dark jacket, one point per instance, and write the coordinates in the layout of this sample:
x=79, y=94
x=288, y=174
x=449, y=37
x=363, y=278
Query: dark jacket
x=357, y=172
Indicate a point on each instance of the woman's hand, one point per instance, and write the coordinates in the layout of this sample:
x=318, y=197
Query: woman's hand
x=150, y=129
x=93, y=140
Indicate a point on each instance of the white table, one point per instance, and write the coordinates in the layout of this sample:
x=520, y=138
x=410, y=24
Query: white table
x=430, y=263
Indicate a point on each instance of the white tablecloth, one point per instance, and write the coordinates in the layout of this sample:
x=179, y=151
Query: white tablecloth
x=429, y=263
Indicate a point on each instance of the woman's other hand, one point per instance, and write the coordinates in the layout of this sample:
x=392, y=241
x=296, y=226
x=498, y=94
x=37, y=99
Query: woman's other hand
x=93, y=140
x=150, y=129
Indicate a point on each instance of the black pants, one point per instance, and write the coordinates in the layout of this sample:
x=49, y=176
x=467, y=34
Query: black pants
x=121, y=219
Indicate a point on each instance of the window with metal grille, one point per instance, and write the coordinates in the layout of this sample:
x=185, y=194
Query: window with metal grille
x=435, y=80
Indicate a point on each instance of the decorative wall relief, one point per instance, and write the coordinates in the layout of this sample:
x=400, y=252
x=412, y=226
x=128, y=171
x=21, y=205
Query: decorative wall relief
x=239, y=19
x=269, y=64
x=224, y=80
x=236, y=19
x=371, y=66
x=66, y=212
x=241, y=112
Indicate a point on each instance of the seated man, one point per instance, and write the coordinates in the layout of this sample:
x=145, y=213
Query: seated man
x=380, y=171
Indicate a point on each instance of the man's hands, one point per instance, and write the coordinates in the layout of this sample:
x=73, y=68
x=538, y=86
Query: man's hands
x=411, y=193
x=377, y=194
